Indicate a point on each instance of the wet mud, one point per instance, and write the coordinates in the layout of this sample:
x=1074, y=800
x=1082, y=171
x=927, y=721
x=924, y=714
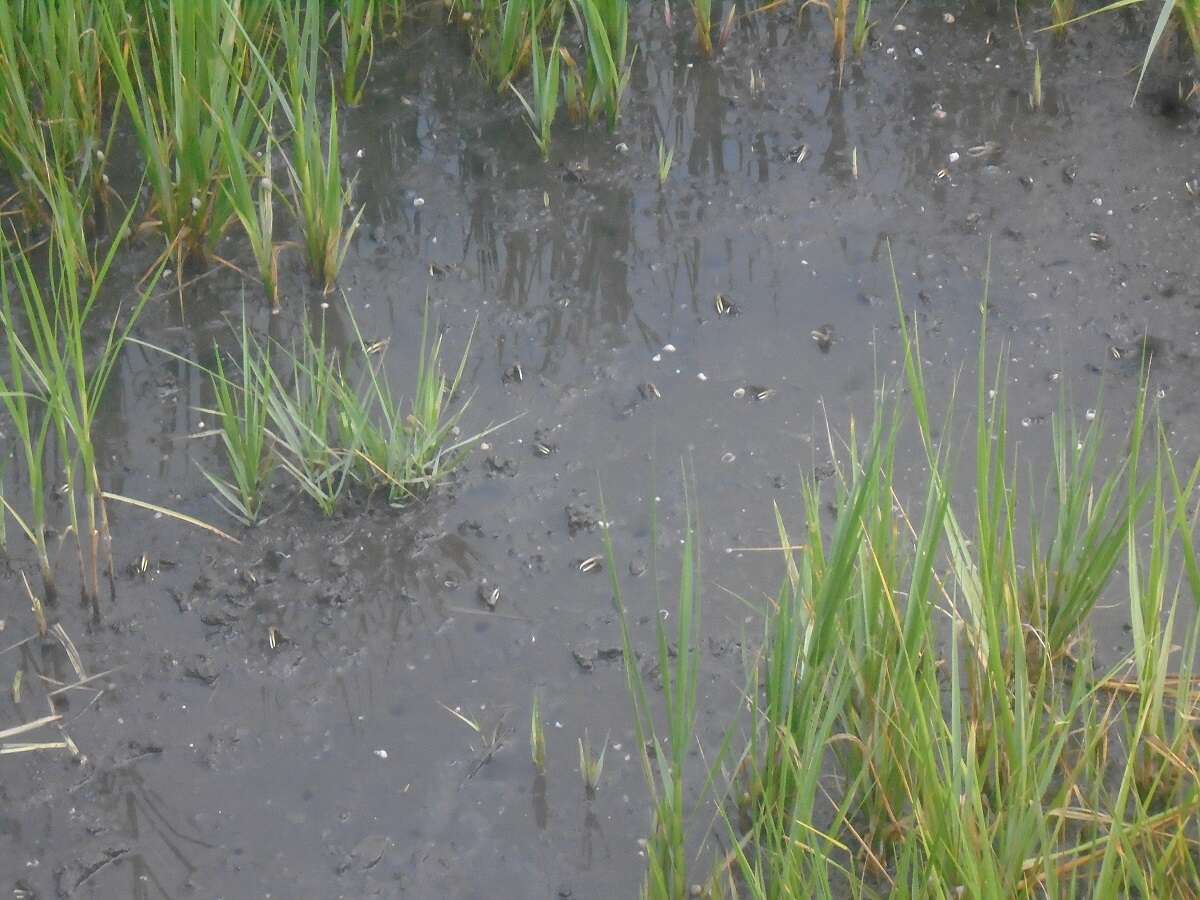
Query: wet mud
x=275, y=720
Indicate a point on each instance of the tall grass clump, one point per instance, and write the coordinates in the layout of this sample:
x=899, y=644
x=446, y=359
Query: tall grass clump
x=57, y=375
x=52, y=94
x=663, y=752
x=928, y=716
x=188, y=77
x=542, y=110
x=500, y=31
x=301, y=403
x=356, y=21
x=403, y=449
x=605, y=25
x=250, y=192
x=330, y=421
x=240, y=408
x=320, y=194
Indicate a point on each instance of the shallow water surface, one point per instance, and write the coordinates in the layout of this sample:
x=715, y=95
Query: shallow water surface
x=327, y=766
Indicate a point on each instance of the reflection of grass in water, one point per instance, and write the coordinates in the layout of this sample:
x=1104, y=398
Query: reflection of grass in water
x=891, y=755
x=198, y=82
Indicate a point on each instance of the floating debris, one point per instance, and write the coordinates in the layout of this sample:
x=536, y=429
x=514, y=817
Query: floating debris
x=140, y=566
x=514, y=374
x=725, y=309
x=979, y=151
x=649, y=391
x=1099, y=238
x=591, y=564
x=824, y=337
x=755, y=392
x=1069, y=173
x=1192, y=186
x=541, y=448
x=438, y=272
x=1026, y=181
x=489, y=595
x=727, y=457
x=1053, y=375
x=797, y=154
x=1090, y=415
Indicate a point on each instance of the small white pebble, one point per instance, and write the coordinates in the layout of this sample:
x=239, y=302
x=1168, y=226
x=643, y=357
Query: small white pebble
x=948, y=18
x=1090, y=415
x=702, y=376
x=485, y=446
x=1096, y=201
x=382, y=754
x=953, y=157
x=899, y=27
x=360, y=153
x=668, y=348
x=918, y=52
x=657, y=357
x=418, y=201
x=622, y=147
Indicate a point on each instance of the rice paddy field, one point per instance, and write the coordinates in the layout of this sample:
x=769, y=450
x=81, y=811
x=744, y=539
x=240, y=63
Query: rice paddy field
x=527, y=448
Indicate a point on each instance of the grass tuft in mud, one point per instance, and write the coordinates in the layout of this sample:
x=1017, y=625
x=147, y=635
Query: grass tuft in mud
x=330, y=422
x=927, y=715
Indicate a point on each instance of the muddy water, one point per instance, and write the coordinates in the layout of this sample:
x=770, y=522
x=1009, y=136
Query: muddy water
x=218, y=766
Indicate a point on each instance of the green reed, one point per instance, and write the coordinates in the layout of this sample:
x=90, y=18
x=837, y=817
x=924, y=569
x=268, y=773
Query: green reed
x=301, y=403
x=56, y=362
x=320, y=194
x=52, y=94
x=862, y=27
x=665, y=158
x=186, y=72
x=663, y=753
x=403, y=452
x=927, y=716
x=241, y=409
x=293, y=409
x=544, y=108
x=499, y=31
x=356, y=20
x=250, y=193
x=605, y=24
